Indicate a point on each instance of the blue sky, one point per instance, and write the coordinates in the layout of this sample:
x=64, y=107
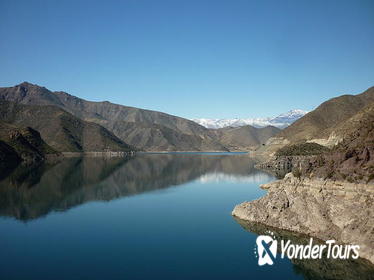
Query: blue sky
x=216, y=59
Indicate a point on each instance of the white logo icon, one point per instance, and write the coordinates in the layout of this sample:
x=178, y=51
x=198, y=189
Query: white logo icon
x=266, y=249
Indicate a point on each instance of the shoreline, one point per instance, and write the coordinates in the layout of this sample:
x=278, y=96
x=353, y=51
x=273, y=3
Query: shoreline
x=318, y=208
x=98, y=154
x=190, y=152
x=132, y=153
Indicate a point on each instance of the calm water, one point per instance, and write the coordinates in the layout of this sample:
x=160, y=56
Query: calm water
x=154, y=216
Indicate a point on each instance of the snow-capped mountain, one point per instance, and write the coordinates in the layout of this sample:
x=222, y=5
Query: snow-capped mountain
x=281, y=121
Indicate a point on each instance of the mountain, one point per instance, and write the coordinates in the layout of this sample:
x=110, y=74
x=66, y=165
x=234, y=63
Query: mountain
x=320, y=125
x=144, y=129
x=327, y=125
x=281, y=121
x=60, y=129
x=288, y=118
x=245, y=138
x=353, y=158
x=21, y=144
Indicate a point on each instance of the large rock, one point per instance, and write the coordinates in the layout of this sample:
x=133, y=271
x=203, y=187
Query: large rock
x=321, y=208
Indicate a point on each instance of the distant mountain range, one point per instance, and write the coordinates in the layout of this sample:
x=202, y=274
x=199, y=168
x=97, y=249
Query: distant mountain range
x=69, y=123
x=281, y=121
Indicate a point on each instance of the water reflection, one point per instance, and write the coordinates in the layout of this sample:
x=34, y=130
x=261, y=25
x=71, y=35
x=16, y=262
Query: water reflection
x=256, y=177
x=323, y=268
x=32, y=192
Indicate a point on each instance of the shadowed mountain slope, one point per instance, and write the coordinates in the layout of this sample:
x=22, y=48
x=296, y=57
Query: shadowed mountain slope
x=61, y=130
x=21, y=143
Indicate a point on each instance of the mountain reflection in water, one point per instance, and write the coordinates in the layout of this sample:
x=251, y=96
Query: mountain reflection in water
x=29, y=193
x=185, y=233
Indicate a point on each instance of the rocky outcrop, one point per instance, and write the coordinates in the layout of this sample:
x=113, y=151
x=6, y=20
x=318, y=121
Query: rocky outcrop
x=282, y=165
x=331, y=141
x=320, y=208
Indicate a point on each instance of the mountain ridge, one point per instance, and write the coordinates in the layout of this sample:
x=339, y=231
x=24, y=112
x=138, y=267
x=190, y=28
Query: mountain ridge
x=322, y=121
x=172, y=133
x=60, y=129
x=326, y=125
x=281, y=121
x=144, y=129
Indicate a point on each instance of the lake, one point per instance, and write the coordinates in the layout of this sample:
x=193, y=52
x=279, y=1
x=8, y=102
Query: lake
x=153, y=216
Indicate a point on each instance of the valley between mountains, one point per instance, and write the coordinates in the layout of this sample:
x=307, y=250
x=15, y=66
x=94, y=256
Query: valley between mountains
x=327, y=154
x=71, y=124
x=67, y=123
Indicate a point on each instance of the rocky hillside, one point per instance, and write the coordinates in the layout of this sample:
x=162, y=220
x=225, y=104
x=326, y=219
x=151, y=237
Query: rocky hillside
x=353, y=158
x=60, y=129
x=326, y=125
x=145, y=129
